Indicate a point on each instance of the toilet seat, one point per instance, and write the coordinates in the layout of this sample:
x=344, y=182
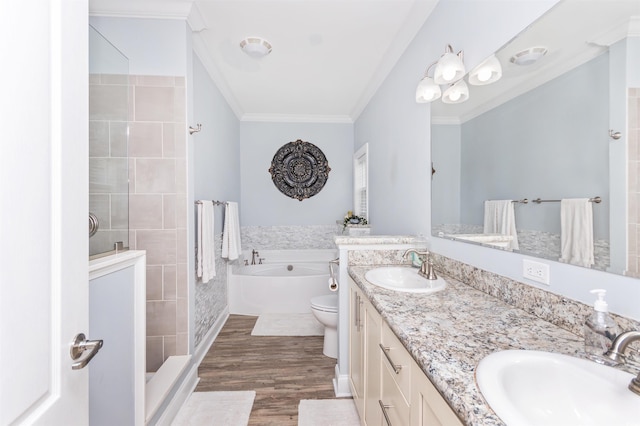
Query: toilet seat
x=327, y=303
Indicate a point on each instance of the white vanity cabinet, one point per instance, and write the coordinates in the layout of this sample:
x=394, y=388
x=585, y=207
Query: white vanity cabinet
x=364, y=357
x=388, y=386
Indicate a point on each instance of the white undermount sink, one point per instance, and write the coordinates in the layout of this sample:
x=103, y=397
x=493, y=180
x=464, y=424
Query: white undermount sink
x=402, y=278
x=544, y=388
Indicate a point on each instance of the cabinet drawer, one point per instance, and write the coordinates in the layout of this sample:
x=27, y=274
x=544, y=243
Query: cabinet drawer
x=392, y=402
x=396, y=357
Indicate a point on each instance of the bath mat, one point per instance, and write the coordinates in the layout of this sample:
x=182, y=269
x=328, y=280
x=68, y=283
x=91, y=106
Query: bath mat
x=327, y=412
x=287, y=325
x=216, y=409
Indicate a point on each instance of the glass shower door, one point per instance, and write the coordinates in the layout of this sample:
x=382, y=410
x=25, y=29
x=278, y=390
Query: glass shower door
x=108, y=147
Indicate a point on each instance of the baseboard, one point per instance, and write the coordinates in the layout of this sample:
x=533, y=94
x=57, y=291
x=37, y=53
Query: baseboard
x=341, y=384
x=210, y=337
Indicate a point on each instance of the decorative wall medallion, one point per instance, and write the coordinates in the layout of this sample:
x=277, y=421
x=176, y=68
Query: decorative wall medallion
x=299, y=169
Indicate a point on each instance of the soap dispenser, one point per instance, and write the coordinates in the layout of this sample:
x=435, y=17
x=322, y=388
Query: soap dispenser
x=599, y=330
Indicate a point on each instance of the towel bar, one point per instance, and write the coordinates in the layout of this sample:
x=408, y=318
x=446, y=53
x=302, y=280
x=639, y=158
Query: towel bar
x=596, y=200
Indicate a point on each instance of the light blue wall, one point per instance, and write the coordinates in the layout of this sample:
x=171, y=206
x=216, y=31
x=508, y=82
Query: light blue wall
x=445, y=183
x=393, y=117
x=216, y=149
x=263, y=204
x=548, y=143
x=398, y=129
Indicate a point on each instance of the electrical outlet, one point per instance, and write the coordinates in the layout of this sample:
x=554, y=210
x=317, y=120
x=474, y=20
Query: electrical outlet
x=535, y=271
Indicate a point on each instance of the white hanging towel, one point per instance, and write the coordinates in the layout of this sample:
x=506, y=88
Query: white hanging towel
x=206, y=257
x=576, y=231
x=231, y=247
x=500, y=218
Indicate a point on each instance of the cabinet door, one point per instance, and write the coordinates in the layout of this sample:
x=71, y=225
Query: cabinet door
x=428, y=408
x=356, y=343
x=372, y=383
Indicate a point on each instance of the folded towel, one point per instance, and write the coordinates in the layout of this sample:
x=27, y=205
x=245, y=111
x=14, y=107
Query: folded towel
x=206, y=257
x=576, y=231
x=231, y=247
x=500, y=218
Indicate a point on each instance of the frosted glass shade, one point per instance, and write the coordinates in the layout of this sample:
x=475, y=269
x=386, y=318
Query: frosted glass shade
x=427, y=91
x=449, y=69
x=489, y=71
x=456, y=94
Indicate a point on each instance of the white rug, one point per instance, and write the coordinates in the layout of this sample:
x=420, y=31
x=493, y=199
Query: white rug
x=216, y=409
x=287, y=325
x=328, y=412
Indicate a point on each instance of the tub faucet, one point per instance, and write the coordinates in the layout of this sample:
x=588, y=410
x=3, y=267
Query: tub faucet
x=426, y=269
x=254, y=254
x=616, y=352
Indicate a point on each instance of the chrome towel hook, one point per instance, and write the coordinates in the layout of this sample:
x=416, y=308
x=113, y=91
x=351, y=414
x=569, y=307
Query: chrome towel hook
x=196, y=129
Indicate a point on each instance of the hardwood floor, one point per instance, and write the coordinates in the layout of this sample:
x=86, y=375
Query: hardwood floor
x=282, y=370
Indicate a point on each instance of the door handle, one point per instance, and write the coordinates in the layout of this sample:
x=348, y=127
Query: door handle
x=79, y=346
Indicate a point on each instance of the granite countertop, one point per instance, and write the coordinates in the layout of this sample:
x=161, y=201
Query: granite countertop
x=450, y=331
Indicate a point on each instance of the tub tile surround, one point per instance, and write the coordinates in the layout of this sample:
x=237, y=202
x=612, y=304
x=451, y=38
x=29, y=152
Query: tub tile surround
x=157, y=208
x=480, y=312
x=291, y=237
x=211, y=297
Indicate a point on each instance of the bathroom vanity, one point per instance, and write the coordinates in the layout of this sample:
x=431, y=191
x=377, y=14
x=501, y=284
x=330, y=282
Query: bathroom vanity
x=385, y=380
x=413, y=356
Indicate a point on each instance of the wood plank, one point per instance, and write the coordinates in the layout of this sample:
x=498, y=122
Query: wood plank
x=282, y=370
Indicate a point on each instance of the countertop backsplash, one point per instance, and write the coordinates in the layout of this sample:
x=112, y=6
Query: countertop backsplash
x=561, y=311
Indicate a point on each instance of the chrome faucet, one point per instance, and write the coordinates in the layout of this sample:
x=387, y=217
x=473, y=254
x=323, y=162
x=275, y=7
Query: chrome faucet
x=254, y=254
x=426, y=269
x=616, y=353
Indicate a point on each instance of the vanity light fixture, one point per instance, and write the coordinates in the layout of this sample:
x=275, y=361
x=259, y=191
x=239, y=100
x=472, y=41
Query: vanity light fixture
x=428, y=90
x=449, y=67
x=529, y=56
x=456, y=93
x=256, y=47
x=489, y=71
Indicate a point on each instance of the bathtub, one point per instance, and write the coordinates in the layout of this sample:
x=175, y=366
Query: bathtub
x=284, y=283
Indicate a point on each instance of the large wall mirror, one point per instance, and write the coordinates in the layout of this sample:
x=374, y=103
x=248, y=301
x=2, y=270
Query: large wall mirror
x=547, y=131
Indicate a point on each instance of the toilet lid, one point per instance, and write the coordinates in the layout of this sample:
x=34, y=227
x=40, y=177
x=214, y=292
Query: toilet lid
x=327, y=303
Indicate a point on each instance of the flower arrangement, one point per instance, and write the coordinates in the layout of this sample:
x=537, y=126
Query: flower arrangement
x=351, y=219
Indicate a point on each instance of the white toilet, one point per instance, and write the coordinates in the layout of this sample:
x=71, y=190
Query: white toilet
x=325, y=309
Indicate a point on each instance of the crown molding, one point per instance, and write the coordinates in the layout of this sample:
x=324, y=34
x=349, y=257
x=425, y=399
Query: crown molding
x=167, y=9
x=301, y=118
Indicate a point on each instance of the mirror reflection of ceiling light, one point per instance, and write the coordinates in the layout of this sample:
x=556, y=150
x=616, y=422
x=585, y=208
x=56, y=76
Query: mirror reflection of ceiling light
x=456, y=94
x=449, y=70
x=256, y=47
x=489, y=71
x=529, y=56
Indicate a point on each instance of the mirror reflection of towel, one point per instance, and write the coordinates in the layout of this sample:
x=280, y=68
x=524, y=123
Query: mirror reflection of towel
x=500, y=218
x=576, y=231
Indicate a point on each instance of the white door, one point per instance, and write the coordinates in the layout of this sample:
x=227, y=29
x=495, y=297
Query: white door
x=43, y=210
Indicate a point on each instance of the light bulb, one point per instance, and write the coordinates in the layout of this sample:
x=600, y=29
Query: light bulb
x=454, y=95
x=448, y=73
x=484, y=74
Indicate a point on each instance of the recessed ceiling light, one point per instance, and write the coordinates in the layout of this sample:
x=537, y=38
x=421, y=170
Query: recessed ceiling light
x=256, y=47
x=529, y=56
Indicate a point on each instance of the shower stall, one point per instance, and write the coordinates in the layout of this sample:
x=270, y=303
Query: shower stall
x=108, y=147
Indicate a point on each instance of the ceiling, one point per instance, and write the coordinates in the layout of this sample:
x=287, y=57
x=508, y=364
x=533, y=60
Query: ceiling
x=328, y=57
